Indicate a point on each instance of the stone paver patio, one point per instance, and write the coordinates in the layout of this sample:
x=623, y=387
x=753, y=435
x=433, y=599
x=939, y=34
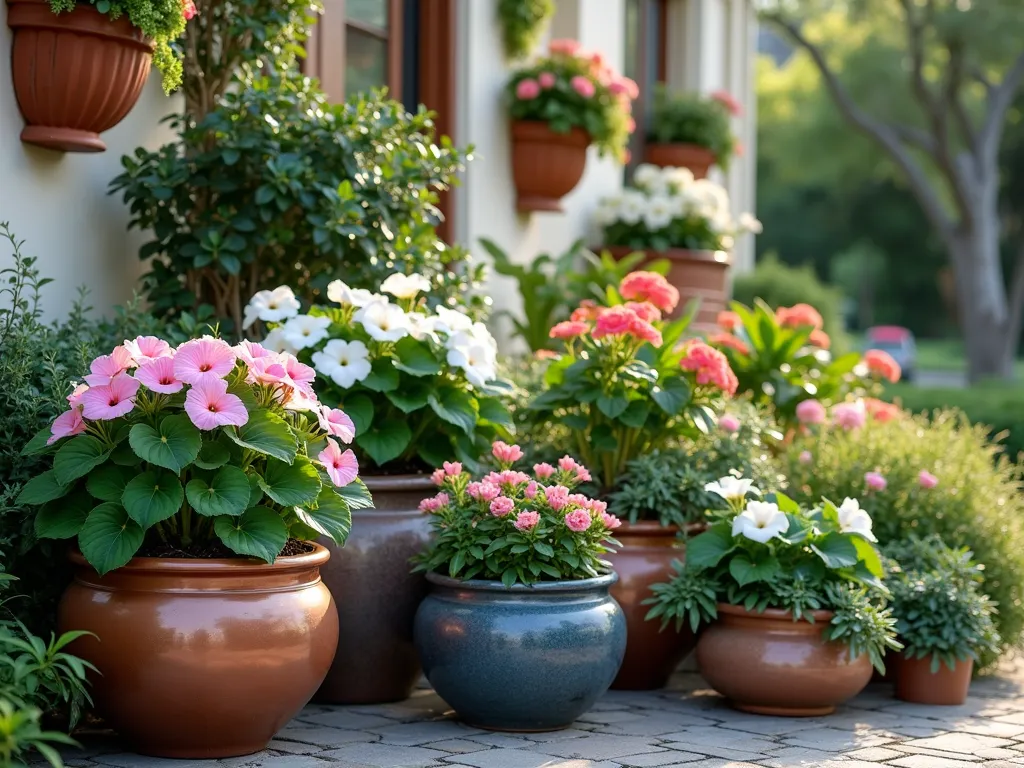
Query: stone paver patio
x=684, y=725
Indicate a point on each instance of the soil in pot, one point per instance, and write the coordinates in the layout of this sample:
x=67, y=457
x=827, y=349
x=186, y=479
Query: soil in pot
x=698, y=160
x=916, y=682
x=546, y=166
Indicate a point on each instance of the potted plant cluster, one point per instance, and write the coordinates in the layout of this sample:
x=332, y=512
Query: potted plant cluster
x=692, y=131
x=791, y=601
x=421, y=387
x=671, y=215
x=519, y=631
x=79, y=67
x=560, y=105
x=193, y=481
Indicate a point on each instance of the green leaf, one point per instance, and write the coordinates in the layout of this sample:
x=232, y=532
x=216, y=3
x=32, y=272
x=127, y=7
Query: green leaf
x=63, y=519
x=356, y=495
x=267, y=433
x=746, y=572
x=152, y=497
x=255, y=492
x=707, y=549
x=291, y=484
x=173, y=447
x=415, y=357
x=671, y=394
x=227, y=493
x=456, y=407
x=78, y=457
x=212, y=455
x=109, y=538
x=258, y=532
x=42, y=488
x=107, y=482
x=332, y=516
x=494, y=410
x=385, y=440
x=868, y=555
x=544, y=549
x=612, y=406
x=636, y=415
x=38, y=443
x=836, y=550
x=360, y=410
x=383, y=376
x=409, y=397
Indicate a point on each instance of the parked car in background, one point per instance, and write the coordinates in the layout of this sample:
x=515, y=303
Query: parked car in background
x=898, y=342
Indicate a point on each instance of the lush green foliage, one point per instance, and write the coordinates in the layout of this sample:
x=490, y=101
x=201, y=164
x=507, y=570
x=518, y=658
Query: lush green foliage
x=779, y=285
x=522, y=24
x=690, y=118
x=515, y=528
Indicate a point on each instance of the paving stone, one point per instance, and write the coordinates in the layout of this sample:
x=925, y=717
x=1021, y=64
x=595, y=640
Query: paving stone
x=502, y=740
x=964, y=743
x=928, y=761
x=510, y=758
x=909, y=749
x=988, y=727
x=324, y=736
x=724, y=737
x=245, y=760
x=291, y=761
x=609, y=716
x=127, y=760
x=997, y=753
x=659, y=759
x=717, y=763
x=876, y=754
x=711, y=750
x=567, y=733
x=790, y=757
x=835, y=740
x=342, y=717
x=656, y=725
x=770, y=726
x=293, y=747
x=386, y=756
x=601, y=747
x=414, y=734
x=460, y=746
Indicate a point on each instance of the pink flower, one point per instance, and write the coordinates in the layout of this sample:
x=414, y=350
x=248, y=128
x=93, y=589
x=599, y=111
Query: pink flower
x=729, y=341
x=546, y=80
x=209, y=405
x=564, y=46
x=618, y=87
x=849, y=415
x=727, y=101
x=298, y=372
x=578, y=521
x=508, y=477
x=557, y=497
x=527, y=520
x=652, y=287
x=810, y=412
x=595, y=506
x=188, y=9
x=880, y=363
x=483, y=491
x=146, y=349
x=158, y=376
x=75, y=398
x=527, y=89
x=568, y=329
x=501, y=506
x=927, y=480
x=248, y=351
x=616, y=321
x=342, y=467
x=104, y=368
x=632, y=89
x=506, y=453
x=584, y=86
x=437, y=477
x=729, y=423
x=543, y=470
x=569, y=464
x=799, y=316
x=631, y=125
x=611, y=522
x=452, y=468
x=67, y=424
x=875, y=481
x=806, y=457
x=710, y=365
x=109, y=401
x=203, y=359
x=644, y=331
x=432, y=504
x=336, y=422
x=644, y=310
x=531, y=490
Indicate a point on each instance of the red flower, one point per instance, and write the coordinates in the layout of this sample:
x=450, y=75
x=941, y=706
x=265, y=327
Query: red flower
x=652, y=287
x=799, y=315
x=188, y=9
x=729, y=341
x=881, y=364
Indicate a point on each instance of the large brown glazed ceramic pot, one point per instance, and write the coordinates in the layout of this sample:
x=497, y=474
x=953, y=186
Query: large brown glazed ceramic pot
x=546, y=166
x=377, y=596
x=691, y=156
x=916, y=682
x=768, y=664
x=646, y=558
x=202, y=658
x=76, y=74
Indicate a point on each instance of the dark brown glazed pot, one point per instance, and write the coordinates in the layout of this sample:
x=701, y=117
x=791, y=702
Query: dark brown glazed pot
x=916, y=682
x=646, y=558
x=202, y=658
x=698, y=160
x=377, y=596
x=76, y=74
x=546, y=166
x=768, y=664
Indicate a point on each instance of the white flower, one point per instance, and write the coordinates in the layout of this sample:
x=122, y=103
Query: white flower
x=422, y=326
x=853, y=519
x=659, y=212
x=632, y=206
x=748, y=223
x=760, y=521
x=276, y=342
x=405, y=286
x=607, y=212
x=345, y=362
x=305, y=330
x=476, y=352
x=647, y=176
x=358, y=297
x=452, y=321
x=730, y=488
x=384, y=322
x=271, y=306
x=678, y=179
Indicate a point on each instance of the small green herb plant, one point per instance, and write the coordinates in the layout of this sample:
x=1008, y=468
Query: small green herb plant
x=689, y=118
x=522, y=23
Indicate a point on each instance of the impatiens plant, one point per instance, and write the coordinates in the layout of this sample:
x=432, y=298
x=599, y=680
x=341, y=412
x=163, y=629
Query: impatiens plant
x=775, y=554
x=571, y=88
x=516, y=527
x=625, y=385
x=420, y=385
x=204, y=449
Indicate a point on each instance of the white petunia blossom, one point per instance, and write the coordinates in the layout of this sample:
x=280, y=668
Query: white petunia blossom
x=760, y=521
x=660, y=212
x=344, y=362
x=276, y=342
x=452, y=321
x=423, y=326
x=271, y=306
x=476, y=352
x=632, y=206
x=339, y=292
x=305, y=330
x=405, y=286
x=384, y=322
x=748, y=223
x=853, y=519
x=607, y=212
x=647, y=176
x=677, y=179
x=731, y=488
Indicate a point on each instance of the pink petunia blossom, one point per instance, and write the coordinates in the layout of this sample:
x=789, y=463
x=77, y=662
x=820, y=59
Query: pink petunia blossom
x=729, y=423
x=578, y=521
x=437, y=477
x=543, y=470
x=209, y=405
x=146, y=349
x=527, y=520
x=557, y=497
x=483, y=491
x=927, y=480
x=452, y=468
x=247, y=351
x=501, y=506
x=584, y=86
x=268, y=370
x=527, y=89
x=158, y=376
x=611, y=522
x=849, y=415
x=506, y=453
x=875, y=481
x=104, y=368
x=341, y=467
x=810, y=412
x=75, y=398
x=547, y=80
x=298, y=372
x=336, y=422
x=203, y=360
x=67, y=424
x=109, y=401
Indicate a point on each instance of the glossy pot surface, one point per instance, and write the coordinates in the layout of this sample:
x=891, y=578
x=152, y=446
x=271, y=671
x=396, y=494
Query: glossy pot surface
x=546, y=166
x=697, y=159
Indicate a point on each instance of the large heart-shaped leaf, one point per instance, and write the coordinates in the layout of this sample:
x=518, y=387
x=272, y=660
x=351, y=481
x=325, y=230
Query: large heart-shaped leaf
x=42, y=488
x=360, y=410
x=259, y=532
x=707, y=549
x=174, y=446
x=227, y=493
x=331, y=516
x=415, y=357
x=107, y=483
x=411, y=397
x=291, y=484
x=385, y=440
x=746, y=572
x=383, y=376
x=212, y=455
x=671, y=394
x=356, y=495
x=152, y=497
x=836, y=550
x=109, y=538
x=266, y=433
x=493, y=410
x=64, y=518
x=456, y=407
x=78, y=457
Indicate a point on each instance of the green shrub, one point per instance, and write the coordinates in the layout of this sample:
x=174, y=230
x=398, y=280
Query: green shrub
x=780, y=285
x=690, y=118
x=976, y=504
x=522, y=23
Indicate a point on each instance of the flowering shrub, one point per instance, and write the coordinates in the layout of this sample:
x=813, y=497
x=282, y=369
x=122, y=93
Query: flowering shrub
x=183, y=447
x=670, y=209
x=689, y=118
x=774, y=554
x=624, y=385
x=515, y=527
x=419, y=385
x=571, y=88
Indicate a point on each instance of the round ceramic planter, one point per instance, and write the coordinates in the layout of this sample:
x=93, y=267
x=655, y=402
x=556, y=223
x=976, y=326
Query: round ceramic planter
x=521, y=658
x=202, y=658
x=698, y=160
x=376, y=594
x=645, y=558
x=76, y=74
x=916, y=682
x=546, y=166
x=768, y=664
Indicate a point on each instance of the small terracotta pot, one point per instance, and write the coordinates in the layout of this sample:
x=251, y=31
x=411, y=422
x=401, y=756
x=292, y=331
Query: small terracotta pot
x=76, y=74
x=202, y=658
x=645, y=558
x=916, y=682
x=768, y=664
x=546, y=166
x=377, y=596
x=694, y=157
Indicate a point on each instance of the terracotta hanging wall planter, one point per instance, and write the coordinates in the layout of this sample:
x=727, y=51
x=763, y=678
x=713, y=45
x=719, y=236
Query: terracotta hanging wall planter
x=76, y=74
x=546, y=165
x=694, y=157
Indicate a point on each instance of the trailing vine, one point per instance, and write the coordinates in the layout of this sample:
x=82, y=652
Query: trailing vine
x=523, y=22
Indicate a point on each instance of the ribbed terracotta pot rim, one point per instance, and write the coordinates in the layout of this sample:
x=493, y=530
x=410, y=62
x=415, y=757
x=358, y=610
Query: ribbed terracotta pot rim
x=774, y=614
x=197, y=566
x=652, y=529
x=99, y=24
x=676, y=254
x=540, y=587
x=538, y=129
x=410, y=482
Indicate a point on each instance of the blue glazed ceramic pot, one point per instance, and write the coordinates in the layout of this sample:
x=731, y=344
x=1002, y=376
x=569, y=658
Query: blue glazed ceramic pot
x=521, y=658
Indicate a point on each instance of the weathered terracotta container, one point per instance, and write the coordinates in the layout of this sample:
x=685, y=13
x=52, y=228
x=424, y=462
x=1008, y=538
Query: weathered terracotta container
x=696, y=158
x=546, y=166
x=768, y=664
x=76, y=74
x=202, y=658
x=376, y=594
x=916, y=682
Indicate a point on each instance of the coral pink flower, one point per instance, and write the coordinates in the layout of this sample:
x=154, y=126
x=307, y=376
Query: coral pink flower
x=881, y=364
x=67, y=424
x=341, y=467
x=644, y=310
x=595, y=506
x=730, y=321
x=568, y=329
x=611, y=522
x=631, y=125
x=209, y=405
x=564, y=46
x=432, y=504
x=578, y=521
x=248, y=351
x=508, y=478
x=483, y=491
x=711, y=366
x=644, y=331
x=587, y=311
x=158, y=376
x=335, y=421
x=820, y=339
x=729, y=102
x=729, y=423
x=616, y=321
x=652, y=287
x=531, y=489
x=501, y=506
x=543, y=470
x=505, y=453
x=810, y=412
x=546, y=80
x=584, y=86
x=569, y=464
x=104, y=368
x=188, y=9
x=875, y=481
x=437, y=476
x=849, y=415
x=527, y=89
x=75, y=398
x=145, y=349
x=798, y=316
x=618, y=88
x=557, y=496
x=805, y=457
x=452, y=468
x=527, y=521
x=268, y=370
x=728, y=341
x=881, y=411
x=203, y=359
x=927, y=480
x=109, y=401
x=632, y=89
